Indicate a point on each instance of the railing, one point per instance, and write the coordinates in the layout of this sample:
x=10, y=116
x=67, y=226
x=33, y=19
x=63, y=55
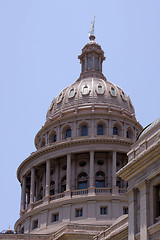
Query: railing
x=79, y=192
x=103, y=190
x=56, y=196
x=35, y=204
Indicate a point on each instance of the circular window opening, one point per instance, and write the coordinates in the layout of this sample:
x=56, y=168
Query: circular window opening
x=82, y=164
x=100, y=162
x=64, y=167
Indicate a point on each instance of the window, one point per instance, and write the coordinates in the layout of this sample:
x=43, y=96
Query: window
x=89, y=63
x=68, y=133
x=71, y=93
x=129, y=133
x=113, y=92
x=100, y=130
x=85, y=90
x=100, y=162
x=79, y=212
x=115, y=131
x=55, y=217
x=158, y=201
x=82, y=180
x=54, y=138
x=125, y=210
x=82, y=164
x=96, y=63
x=84, y=131
x=60, y=97
x=103, y=210
x=100, y=89
x=35, y=224
x=123, y=96
x=100, y=179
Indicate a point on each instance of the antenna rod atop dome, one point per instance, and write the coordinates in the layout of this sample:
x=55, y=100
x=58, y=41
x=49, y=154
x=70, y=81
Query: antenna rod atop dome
x=91, y=31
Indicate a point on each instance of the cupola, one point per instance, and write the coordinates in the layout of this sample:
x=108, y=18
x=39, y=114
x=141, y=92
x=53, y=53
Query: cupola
x=92, y=56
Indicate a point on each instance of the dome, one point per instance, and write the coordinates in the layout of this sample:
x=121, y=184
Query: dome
x=148, y=128
x=91, y=89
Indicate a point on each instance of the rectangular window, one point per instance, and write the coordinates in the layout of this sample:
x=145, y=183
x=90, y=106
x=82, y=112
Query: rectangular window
x=79, y=212
x=55, y=217
x=125, y=210
x=103, y=210
x=158, y=201
x=35, y=224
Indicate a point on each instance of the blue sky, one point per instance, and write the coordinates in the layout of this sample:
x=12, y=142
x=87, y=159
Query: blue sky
x=39, y=45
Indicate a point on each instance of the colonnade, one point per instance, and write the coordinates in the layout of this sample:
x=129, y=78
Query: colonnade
x=111, y=172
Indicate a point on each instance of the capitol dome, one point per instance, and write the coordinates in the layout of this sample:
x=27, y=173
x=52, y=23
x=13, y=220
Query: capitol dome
x=71, y=177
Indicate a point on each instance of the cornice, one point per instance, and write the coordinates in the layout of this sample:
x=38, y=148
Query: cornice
x=141, y=162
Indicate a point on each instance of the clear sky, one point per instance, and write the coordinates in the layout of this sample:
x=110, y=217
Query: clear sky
x=39, y=44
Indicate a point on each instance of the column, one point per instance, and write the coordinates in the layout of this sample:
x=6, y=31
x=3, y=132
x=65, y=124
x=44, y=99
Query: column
x=23, y=194
x=91, y=172
x=68, y=180
x=93, y=60
x=131, y=215
x=32, y=190
x=85, y=62
x=57, y=177
x=47, y=178
x=73, y=181
x=143, y=212
x=114, y=187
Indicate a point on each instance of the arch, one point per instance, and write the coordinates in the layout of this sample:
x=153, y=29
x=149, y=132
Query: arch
x=63, y=184
x=52, y=136
x=66, y=132
x=100, y=179
x=129, y=132
x=117, y=129
x=82, y=180
x=83, y=129
x=100, y=129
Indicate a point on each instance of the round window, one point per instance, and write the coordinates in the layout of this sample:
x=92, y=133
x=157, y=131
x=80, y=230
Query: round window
x=100, y=162
x=82, y=164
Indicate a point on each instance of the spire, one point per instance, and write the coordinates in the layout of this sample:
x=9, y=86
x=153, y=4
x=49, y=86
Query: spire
x=91, y=31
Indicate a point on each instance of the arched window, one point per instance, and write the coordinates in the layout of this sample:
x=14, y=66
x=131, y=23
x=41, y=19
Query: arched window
x=89, y=62
x=115, y=130
x=63, y=184
x=100, y=129
x=100, y=179
x=84, y=130
x=52, y=188
x=96, y=63
x=129, y=133
x=68, y=133
x=52, y=137
x=82, y=180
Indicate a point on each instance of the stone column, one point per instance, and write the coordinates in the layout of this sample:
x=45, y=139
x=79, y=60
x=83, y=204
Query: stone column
x=131, y=216
x=114, y=187
x=100, y=66
x=57, y=177
x=68, y=180
x=47, y=193
x=73, y=181
x=32, y=190
x=85, y=62
x=91, y=189
x=23, y=194
x=143, y=211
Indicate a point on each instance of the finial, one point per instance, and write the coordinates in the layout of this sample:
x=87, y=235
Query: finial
x=91, y=31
